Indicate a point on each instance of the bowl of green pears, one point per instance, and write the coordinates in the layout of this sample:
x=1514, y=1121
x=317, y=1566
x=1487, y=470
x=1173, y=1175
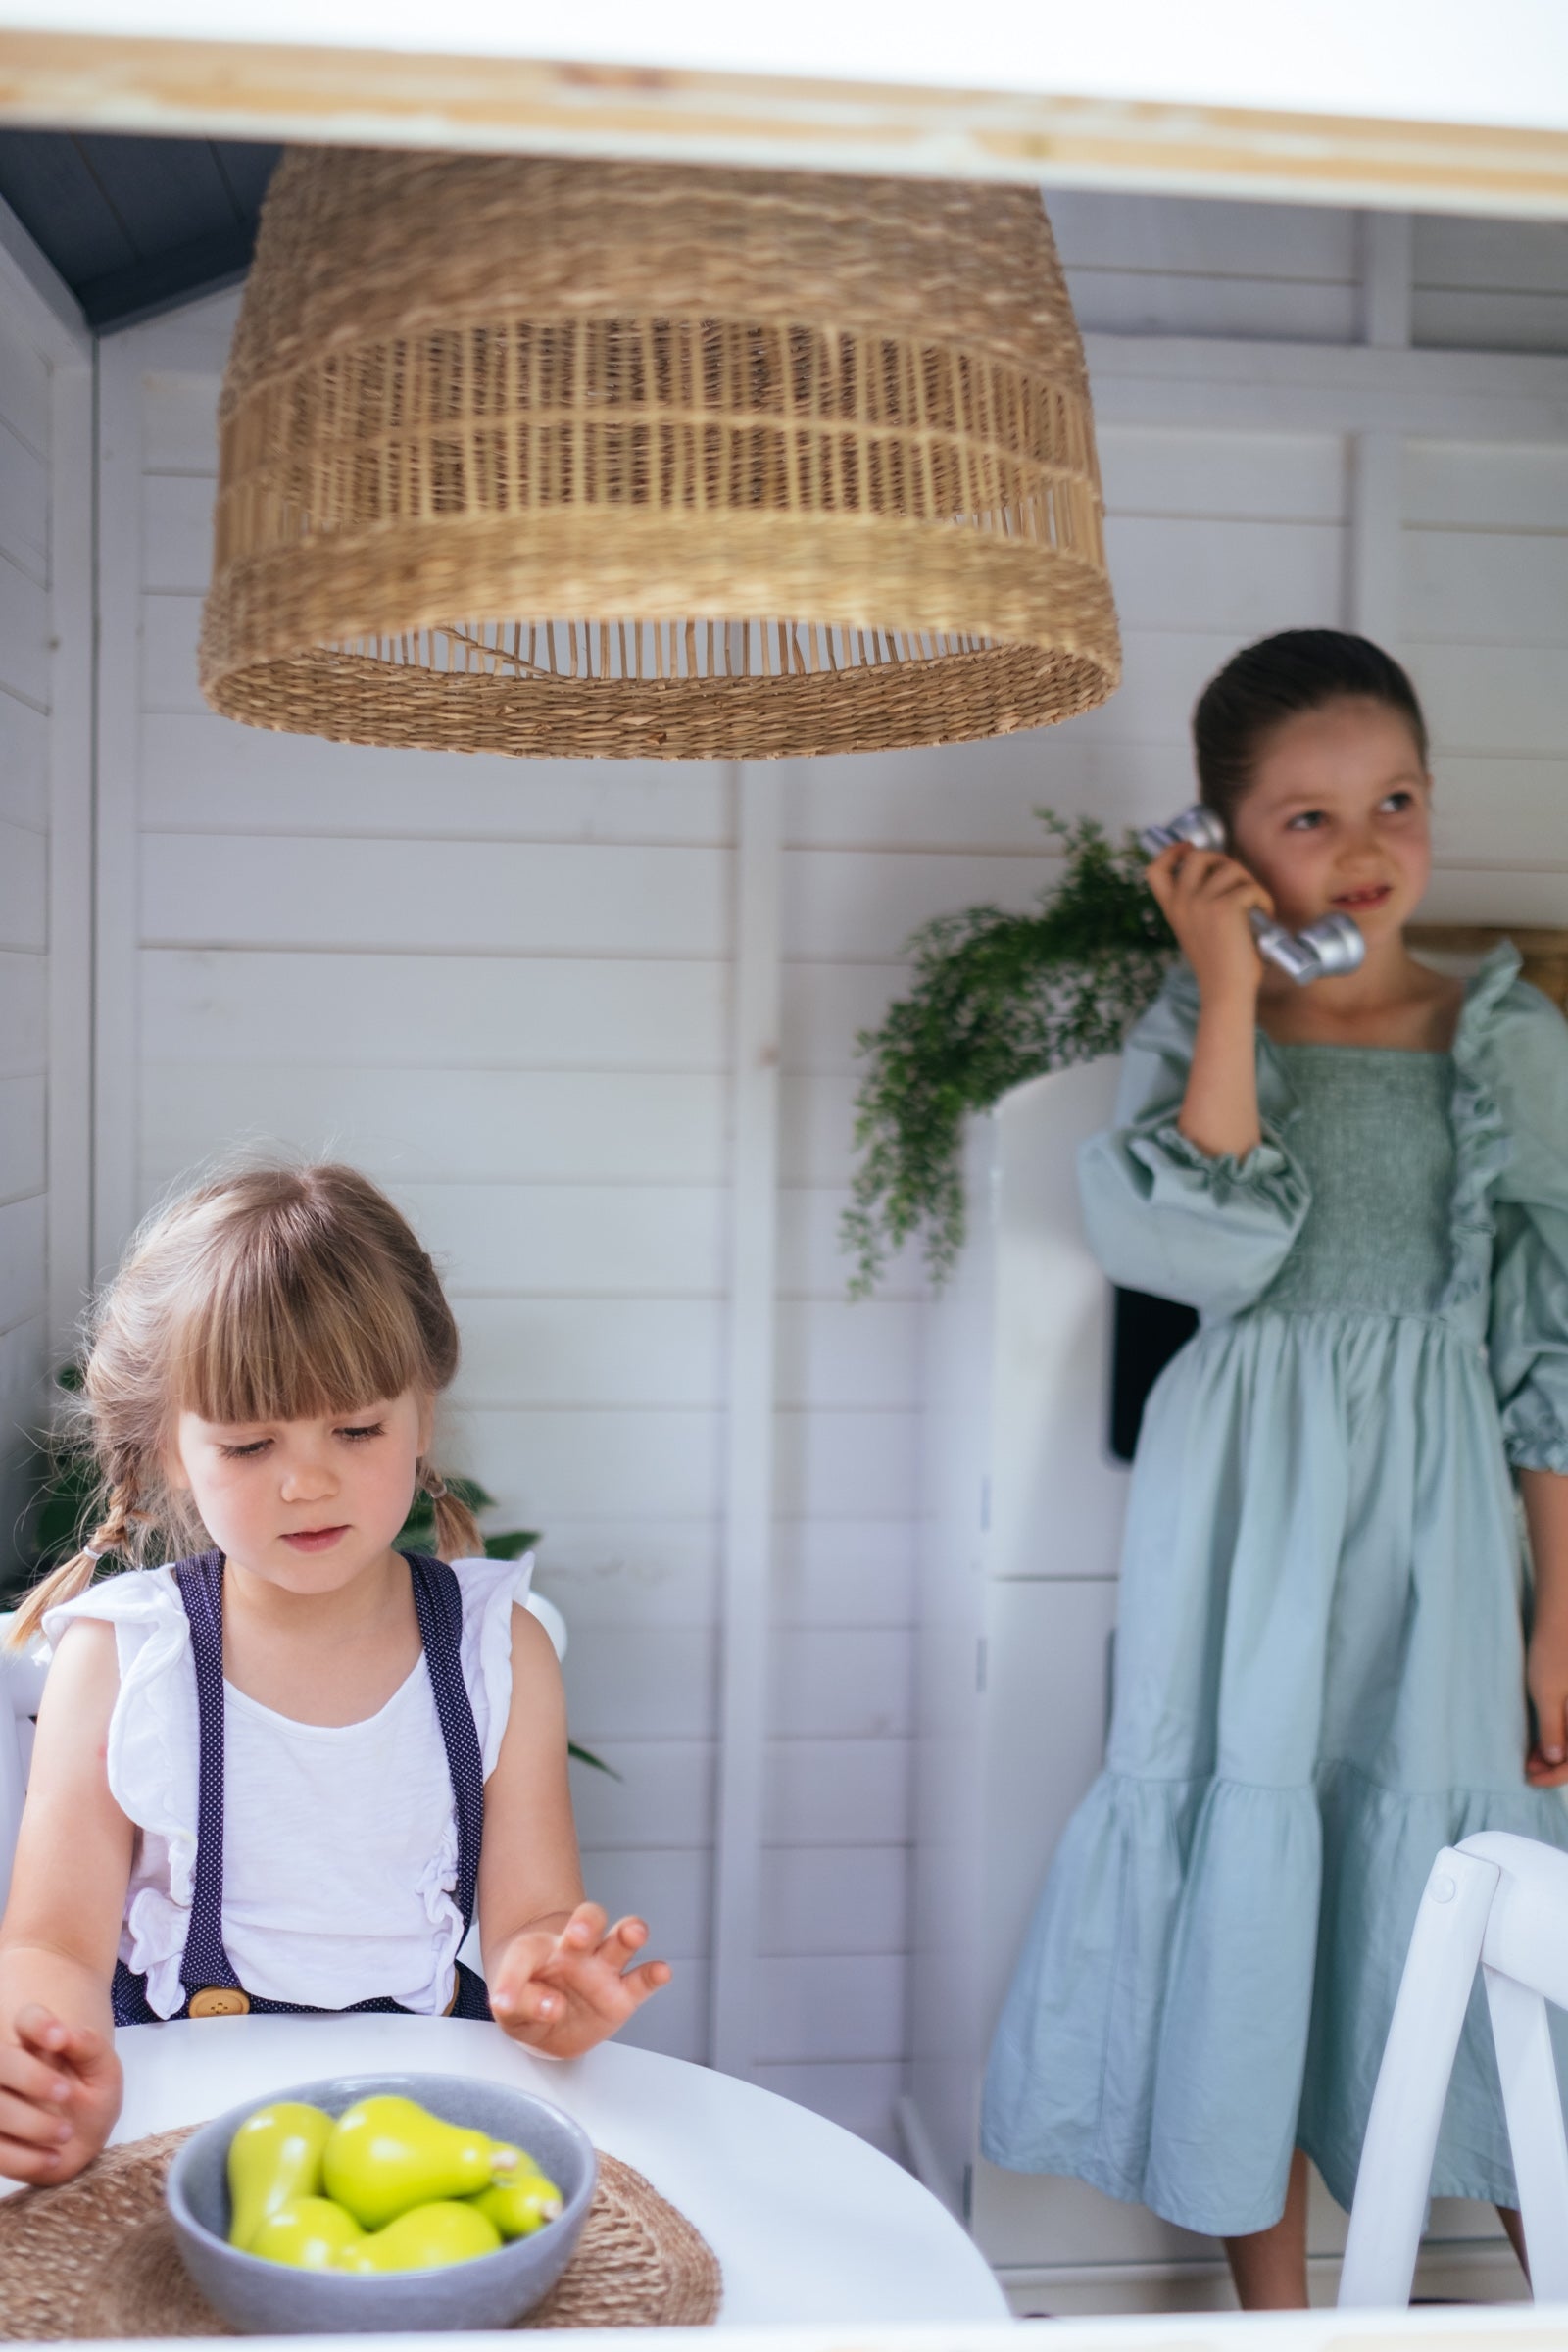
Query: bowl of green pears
x=372, y=2203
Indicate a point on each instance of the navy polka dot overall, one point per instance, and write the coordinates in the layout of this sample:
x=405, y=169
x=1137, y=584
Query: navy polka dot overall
x=212, y=1987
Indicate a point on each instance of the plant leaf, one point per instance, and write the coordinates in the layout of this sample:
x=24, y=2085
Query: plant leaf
x=511, y=1544
x=994, y=999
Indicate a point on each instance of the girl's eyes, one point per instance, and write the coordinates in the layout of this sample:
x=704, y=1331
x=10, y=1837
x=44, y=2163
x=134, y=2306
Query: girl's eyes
x=355, y=1432
x=1310, y=820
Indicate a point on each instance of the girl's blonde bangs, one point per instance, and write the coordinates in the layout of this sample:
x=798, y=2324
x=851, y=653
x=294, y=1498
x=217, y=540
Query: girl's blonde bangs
x=291, y=1326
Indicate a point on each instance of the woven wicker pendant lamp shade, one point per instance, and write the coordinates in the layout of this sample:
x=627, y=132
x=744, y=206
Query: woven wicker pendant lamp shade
x=560, y=458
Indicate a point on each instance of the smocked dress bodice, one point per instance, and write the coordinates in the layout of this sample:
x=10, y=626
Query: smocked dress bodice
x=1374, y=1139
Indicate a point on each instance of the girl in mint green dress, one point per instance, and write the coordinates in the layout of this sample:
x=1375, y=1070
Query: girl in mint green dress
x=1325, y=1615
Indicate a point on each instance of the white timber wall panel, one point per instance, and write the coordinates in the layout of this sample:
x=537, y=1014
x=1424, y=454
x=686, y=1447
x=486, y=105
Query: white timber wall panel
x=24, y=403
x=1485, y=567
x=1148, y=264
x=45, y=953
x=1489, y=285
x=508, y=990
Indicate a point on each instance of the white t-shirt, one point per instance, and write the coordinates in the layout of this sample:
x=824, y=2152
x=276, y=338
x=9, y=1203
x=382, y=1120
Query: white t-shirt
x=340, y=1842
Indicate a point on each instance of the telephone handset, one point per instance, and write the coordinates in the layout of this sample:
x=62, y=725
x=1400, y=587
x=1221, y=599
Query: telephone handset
x=1331, y=947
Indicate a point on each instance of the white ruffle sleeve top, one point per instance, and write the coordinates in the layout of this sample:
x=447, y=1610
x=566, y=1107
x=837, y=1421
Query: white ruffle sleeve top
x=340, y=1842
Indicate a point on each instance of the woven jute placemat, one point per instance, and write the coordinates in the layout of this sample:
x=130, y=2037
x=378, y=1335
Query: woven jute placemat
x=97, y=2257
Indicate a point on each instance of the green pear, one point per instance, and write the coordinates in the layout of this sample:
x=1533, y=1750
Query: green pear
x=274, y=2158
x=310, y=2235
x=521, y=2206
x=386, y=2155
x=426, y=2238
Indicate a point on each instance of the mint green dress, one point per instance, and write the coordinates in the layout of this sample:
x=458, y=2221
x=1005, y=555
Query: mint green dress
x=1320, y=1655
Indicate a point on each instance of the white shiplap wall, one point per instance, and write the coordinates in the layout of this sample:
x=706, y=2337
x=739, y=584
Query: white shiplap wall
x=1491, y=286
x=23, y=897
x=506, y=989
x=45, y=947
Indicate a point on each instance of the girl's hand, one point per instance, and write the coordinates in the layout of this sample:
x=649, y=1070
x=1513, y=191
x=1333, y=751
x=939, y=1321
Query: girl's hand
x=60, y=2092
x=1546, y=1674
x=561, y=1995
x=1205, y=897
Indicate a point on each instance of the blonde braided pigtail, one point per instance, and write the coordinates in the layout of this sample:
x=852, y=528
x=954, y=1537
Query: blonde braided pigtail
x=114, y=1533
x=456, y=1530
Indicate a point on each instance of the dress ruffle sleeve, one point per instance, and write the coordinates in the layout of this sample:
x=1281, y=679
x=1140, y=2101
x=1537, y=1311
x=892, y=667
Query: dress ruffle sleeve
x=152, y=1763
x=1164, y=1216
x=1520, y=1060
x=491, y=1591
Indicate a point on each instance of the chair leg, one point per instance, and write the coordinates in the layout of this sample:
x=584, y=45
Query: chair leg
x=13, y=1788
x=1401, y=2134
x=1534, y=2112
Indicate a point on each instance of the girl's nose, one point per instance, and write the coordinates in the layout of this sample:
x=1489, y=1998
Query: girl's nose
x=307, y=1482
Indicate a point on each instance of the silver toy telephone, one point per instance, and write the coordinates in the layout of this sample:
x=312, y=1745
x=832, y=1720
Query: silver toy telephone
x=1332, y=947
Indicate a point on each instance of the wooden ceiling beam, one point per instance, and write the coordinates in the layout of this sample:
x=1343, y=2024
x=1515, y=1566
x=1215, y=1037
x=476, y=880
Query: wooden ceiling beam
x=381, y=97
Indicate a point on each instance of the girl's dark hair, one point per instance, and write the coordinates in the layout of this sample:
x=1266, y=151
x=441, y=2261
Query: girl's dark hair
x=1264, y=684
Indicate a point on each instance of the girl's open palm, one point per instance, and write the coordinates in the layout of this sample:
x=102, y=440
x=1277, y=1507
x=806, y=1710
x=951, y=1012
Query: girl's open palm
x=562, y=1993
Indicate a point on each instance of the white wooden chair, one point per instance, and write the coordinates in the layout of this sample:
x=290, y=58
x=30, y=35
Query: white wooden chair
x=1498, y=1902
x=22, y=1676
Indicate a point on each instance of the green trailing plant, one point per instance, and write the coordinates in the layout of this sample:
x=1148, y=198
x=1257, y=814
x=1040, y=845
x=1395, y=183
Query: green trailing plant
x=66, y=1494
x=994, y=999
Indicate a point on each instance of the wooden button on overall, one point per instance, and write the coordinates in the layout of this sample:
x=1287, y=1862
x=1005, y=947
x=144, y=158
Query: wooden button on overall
x=220, y=2000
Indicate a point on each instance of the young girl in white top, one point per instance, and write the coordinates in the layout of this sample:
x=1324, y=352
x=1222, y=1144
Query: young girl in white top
x=283, y=1772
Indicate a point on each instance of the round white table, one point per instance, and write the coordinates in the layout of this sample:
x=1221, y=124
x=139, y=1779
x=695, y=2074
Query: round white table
x=809, y=2223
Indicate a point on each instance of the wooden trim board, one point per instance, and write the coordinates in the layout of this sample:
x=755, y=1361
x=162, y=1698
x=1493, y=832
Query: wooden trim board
x=748, y=1471
x=117, y=871
x=1482, y=2273
x=386, y=97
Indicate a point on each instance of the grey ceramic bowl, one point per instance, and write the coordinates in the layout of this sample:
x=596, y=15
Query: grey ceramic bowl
x=267, y=2298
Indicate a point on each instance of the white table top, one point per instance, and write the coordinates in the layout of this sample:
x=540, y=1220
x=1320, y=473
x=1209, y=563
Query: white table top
x=811, y=2224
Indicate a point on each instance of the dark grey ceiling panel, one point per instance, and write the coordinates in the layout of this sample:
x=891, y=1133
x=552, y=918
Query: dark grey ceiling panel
x=47, y=182
x=135, y=226
x=124, y=297
x=166, y=192
x=247, y=170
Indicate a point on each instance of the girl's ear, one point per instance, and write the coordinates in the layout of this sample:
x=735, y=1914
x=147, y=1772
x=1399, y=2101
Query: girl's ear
x=427, y=1405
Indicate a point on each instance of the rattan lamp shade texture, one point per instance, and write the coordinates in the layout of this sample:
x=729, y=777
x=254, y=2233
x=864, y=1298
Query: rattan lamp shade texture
x=560, y=458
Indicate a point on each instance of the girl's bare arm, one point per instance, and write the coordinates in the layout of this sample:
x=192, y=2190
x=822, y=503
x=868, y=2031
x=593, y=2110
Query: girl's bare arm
x=1545, y=1502
x=59, y=2077
x=559, y=1974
